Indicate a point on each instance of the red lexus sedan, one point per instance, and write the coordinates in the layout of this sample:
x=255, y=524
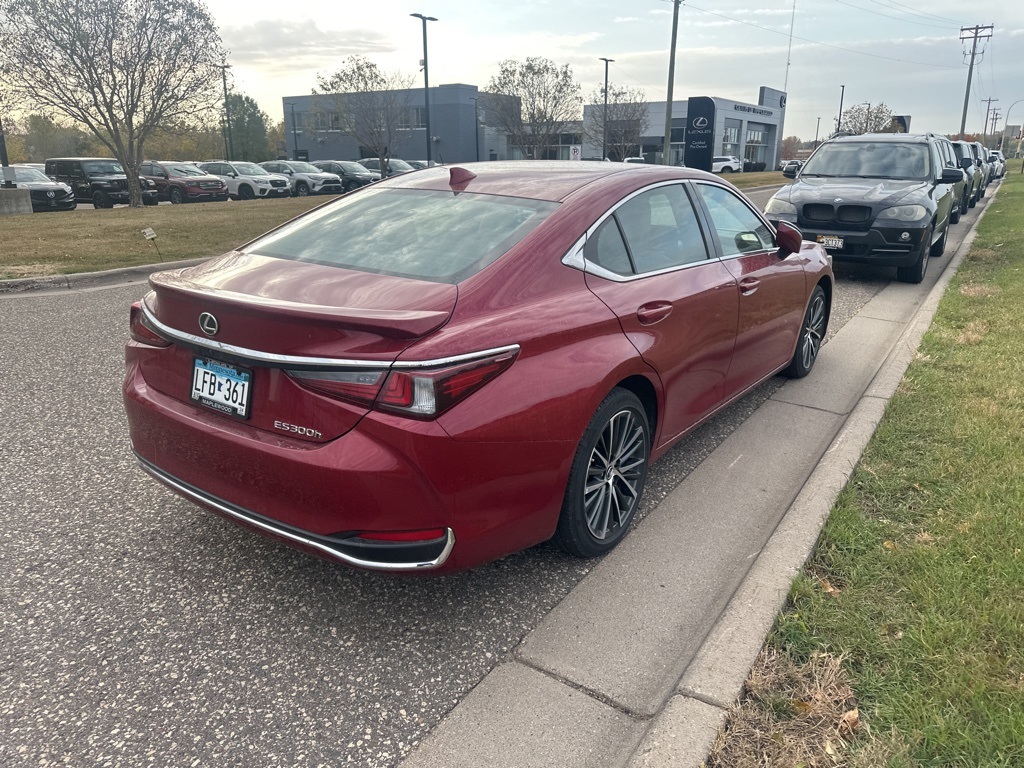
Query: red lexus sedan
x=452, y=365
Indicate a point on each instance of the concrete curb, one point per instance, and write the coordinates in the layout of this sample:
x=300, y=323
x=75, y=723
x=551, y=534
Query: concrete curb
x=90, y=279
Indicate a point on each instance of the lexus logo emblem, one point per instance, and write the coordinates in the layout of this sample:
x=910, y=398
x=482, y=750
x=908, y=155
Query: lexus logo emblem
x=700, y=122
x=209, y=324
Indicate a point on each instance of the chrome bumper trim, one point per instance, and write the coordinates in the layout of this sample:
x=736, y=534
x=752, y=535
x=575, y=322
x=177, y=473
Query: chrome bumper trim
x=309, y=540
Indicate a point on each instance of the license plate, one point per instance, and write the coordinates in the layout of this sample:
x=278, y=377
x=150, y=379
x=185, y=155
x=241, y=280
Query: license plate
x=830, y=241
x=222, y=387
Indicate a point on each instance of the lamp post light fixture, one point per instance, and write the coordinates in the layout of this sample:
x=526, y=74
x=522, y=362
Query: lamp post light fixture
x=229, y=145
x=295, y=131
x=604, y=115
x=426, y=80
x=817, y=128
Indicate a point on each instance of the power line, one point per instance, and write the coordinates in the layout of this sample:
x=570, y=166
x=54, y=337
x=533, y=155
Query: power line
x=818, y=42
x=897, y=18
x=916, y=12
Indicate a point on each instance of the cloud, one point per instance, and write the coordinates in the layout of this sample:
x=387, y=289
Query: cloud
x=279, y=45
x=621, y=19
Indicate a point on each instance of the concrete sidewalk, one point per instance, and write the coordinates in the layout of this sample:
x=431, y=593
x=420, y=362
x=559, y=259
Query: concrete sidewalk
x=639, y=664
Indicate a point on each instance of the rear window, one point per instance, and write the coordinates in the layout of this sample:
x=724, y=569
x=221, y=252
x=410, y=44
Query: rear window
x=427, y=235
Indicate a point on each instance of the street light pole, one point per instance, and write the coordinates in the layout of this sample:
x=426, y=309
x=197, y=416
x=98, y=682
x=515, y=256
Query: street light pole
x=816, y=129
x=839, y=120
x=476, y=124
x=426, y=79
x=229, y=145
x=604, y=117
x=295, y=133
x=665, y=154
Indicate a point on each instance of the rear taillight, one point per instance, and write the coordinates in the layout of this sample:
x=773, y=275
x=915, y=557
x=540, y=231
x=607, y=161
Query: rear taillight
x=421, y=393
x=141, y=332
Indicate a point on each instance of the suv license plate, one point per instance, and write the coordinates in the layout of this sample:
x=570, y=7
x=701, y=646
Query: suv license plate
x=830, y=241
x=222, y=387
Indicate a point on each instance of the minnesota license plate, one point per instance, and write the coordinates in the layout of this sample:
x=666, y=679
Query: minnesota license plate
x=222, y=387
x=830, y=241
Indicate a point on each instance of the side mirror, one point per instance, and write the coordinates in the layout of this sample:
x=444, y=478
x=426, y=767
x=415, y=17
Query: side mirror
x=966, y=163
x=789, y=171
x=951, y=176
x=788, y=238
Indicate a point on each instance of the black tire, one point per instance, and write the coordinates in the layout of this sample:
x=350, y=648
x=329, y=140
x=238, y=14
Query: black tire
x=954, y=212
x=245, y=192
x=939, y=247
x=812, y=332
x=973, y=201
x=302, y=189
x=607, y=477
x=915, y=272
x=965, y=203
x=176, y=196
x=101, y=200
x=727, y=169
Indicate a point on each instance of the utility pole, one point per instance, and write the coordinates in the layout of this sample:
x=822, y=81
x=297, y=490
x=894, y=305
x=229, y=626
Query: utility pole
x=988, y=112
x=975, y=33
x=229, y=145
x=839, y=120
x=666, y=153
x=995, y=122
x=6, y=175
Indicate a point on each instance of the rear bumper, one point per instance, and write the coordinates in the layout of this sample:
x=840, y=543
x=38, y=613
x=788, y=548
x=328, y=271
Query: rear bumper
x=385, y=475
x=389, y=556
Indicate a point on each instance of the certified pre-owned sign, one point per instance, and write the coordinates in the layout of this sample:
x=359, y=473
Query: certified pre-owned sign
x=699, y=138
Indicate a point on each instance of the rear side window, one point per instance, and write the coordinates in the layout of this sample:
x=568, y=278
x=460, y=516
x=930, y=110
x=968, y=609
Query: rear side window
x=422, y=234
x=652, y=232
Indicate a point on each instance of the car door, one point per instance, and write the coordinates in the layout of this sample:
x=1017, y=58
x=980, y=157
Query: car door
x=650, y=262
x=771, y=291
x=944, y=193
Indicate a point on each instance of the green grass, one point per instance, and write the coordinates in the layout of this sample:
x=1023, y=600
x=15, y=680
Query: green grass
x=760, y=179
x=926, y=544
x=65, y=242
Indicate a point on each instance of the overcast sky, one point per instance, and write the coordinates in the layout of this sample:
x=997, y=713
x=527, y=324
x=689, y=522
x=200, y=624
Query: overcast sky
x=901, y=52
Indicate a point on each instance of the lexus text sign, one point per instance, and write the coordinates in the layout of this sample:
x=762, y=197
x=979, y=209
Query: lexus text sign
x=699, y=137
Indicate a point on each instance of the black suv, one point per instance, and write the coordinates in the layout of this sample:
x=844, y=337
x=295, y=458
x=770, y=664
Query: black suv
x=878, y=198
x=97, y=180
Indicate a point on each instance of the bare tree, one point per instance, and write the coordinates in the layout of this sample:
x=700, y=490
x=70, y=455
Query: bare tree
x=626, y=122
x=122, y=68
x=533, y=102
x=865, y=118
x=361, y=101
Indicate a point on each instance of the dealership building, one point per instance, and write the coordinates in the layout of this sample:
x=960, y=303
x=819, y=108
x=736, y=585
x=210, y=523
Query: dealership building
x=459, y=130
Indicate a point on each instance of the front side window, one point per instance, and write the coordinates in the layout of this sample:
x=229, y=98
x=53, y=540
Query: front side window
x=740, y=230
x=102, y=167
x=420, y=234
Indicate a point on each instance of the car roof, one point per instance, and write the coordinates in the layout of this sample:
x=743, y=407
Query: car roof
x=551, y=180
x=906, y=138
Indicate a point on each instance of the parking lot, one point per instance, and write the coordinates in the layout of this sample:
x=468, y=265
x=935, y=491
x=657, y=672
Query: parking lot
x=141, y=630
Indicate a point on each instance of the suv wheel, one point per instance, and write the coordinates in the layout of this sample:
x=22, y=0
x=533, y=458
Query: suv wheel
x=245, y=192
x=101, y=200
x=916, y=271
x=176, y=196
x=939, y=248
x=302, y=189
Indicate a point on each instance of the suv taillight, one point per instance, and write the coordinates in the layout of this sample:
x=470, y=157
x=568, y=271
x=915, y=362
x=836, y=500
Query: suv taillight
x=415, y=392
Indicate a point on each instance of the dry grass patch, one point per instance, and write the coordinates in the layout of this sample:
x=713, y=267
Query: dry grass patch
x=790, y=715
x=984, y=256
x=978, y=291
x=974, y=333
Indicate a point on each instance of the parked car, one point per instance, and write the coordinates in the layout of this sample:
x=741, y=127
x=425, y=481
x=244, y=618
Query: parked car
x=965, y=155
x=877, y=198
x=352, y=174
x=947, y=155
x=395, y=165
x=246, y=181
x=981, y=158
x=638, y=159
x=408, y=379
x=46, y=194
x=97, y=180
x=726, y=164
x=795, y=165
x=182, y=182
x=304, y=178
x=998, y=163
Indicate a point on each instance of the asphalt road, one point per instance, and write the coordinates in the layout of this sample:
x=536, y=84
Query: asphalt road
x=137, y=629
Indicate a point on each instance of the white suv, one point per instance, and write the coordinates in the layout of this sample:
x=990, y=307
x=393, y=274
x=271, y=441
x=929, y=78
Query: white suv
x=305, y=179
x=726, y=164
x=247, y=180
